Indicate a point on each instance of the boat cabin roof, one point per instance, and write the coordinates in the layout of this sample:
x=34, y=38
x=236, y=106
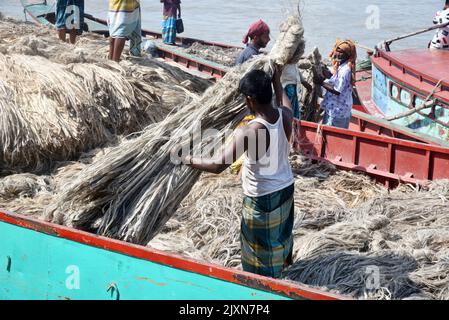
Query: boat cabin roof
x=432, y=65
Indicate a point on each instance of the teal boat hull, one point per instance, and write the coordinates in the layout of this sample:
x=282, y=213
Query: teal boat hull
x=41, y=261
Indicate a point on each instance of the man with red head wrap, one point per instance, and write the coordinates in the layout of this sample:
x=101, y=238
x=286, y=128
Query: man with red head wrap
x=259, y=34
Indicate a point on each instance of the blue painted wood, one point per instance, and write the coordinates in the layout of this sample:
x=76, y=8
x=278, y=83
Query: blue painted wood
x=391, y=107
x=40, y=9
x=47, y=267
x=379, y=89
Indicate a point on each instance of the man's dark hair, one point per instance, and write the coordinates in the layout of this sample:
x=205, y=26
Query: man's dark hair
x=257, y=84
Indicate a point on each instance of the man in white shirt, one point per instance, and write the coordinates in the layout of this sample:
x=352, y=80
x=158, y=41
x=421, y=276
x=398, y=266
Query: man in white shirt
x=338, y=101
x=441, y=39
x=289, y=79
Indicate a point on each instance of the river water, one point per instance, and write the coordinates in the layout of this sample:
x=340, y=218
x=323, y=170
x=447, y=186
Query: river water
x=366, y=21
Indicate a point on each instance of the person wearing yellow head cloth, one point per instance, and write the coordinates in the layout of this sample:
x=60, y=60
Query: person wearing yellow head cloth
x=338, y=101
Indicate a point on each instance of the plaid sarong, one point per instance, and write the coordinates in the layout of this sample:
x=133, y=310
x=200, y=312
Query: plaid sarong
x=169, y=30
x=266, y=233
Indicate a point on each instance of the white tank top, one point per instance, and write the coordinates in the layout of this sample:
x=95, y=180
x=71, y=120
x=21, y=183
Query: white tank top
x=273, y=171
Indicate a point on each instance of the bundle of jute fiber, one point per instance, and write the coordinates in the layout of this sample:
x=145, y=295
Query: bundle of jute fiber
x=311, y=67
x=53, y=111
x=347, y=272
x=174, y=87
x=28, y=194
x=136, y=188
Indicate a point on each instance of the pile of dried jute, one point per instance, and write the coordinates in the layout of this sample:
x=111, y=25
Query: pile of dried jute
x=223, y=56
x=133, y=190
x=311, y=67
x=51, y=110
x=352, y=236
x=394, y=246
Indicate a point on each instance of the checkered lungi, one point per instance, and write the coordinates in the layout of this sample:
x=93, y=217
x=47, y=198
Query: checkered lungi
x=266, y=232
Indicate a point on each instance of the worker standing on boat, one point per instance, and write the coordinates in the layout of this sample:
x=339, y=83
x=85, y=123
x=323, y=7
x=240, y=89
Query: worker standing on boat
x=267, y=179
x=171, y=12
x=69, y=19
x=289, y=79
x=124, y=21
x=338, y=101
x=441, y=39
x=259, y=34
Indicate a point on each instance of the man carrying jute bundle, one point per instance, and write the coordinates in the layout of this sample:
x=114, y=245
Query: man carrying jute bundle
x=267, y=178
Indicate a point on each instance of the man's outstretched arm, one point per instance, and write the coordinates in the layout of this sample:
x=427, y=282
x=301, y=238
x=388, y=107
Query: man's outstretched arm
x=228, y=155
